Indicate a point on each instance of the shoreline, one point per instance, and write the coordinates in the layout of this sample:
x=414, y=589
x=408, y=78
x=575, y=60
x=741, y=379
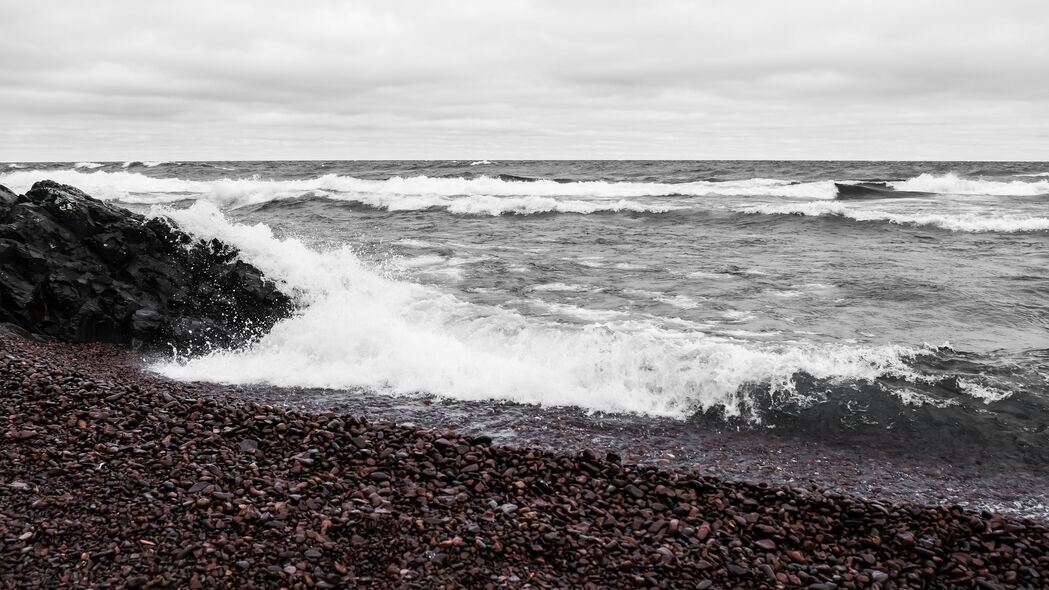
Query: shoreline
x=871, y=468
x=112, y=477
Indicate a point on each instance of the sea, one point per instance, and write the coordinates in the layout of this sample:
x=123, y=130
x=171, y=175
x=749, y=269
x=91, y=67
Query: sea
x=736, y=318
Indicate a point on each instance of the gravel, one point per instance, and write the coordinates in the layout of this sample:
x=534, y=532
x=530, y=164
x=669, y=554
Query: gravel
x=112, y=478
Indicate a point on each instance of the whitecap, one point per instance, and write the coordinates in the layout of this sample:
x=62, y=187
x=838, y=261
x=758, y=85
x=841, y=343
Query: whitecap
x=360, y=328
x=959, y=222
x=561, y=287
x=954, y=184
x=482, y=195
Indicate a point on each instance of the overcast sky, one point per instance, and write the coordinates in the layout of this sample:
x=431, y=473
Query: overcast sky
x=225, y=79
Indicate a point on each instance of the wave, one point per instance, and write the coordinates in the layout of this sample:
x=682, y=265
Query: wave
x=146, y=164
x=495, y=206
x=563, y=287
x=481, y=163
x=533, y=205
x=359, y=328
x=958, y=222
x=118, y=185
x=956, y=185
x=121, y=185
x=133, y=188
x=127, y=187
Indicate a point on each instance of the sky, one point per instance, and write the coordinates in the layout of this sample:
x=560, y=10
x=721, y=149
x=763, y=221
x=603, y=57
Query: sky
x=428, y=79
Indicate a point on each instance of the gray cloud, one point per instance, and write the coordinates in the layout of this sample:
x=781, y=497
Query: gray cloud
x=516, y=79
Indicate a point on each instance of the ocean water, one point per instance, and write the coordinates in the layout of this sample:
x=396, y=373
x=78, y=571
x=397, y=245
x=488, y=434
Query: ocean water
x=703, y=295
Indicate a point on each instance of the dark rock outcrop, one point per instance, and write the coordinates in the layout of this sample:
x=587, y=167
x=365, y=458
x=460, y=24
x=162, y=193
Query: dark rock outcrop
x=78, y=269
x=875, y=190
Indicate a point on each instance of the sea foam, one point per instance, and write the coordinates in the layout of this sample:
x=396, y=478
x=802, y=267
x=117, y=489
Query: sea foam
x=956, y=185
x=472, y=196
x=359, y=328
x=958, y=222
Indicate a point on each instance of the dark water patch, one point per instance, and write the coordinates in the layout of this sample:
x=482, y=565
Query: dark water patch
x=937, y=418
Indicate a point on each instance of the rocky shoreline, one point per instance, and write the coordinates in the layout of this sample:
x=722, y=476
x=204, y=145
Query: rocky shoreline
x=81, y=270
x=111, y=478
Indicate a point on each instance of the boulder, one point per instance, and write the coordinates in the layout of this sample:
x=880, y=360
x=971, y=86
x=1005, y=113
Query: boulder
x=7, y=196
x=78, y=269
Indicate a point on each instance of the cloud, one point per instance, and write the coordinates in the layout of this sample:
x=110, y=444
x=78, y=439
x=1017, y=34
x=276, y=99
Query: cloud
x=516, y=79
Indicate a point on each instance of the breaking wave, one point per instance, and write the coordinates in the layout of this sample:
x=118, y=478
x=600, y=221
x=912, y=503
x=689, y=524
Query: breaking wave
x=138, y=188
x=956, y=185
x=958, y=222
x=129, y=187
x=146, y=164
x=359, y=328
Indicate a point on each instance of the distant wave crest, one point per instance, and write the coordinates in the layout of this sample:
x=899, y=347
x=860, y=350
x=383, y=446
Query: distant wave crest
x=146, y=164
x=959, y=222
x=956, y=185
x=125, y=185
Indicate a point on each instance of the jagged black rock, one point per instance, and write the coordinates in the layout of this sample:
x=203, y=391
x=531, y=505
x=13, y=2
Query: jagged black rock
x=75, y=268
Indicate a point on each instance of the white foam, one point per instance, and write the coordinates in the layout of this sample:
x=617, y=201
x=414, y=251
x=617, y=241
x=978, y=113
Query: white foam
x=433, y=265
x=736, y=315
x=701, y=274
x=785, y=294
x=481, y=163
x=588, y=262
x=147, y=163
x=118, y=185
x=486, y=205
x=16, y=166
x=629, y=266
x=421, y=261
x=959, y=222
x=412, y=243
x=986, y=393
x=749, y=334
x=561, y=287
x=421, y=192
x=956, y=185
x=576, y=312
x=395, y=194
x=359, y=328
x=676, y=300
x=88, y=165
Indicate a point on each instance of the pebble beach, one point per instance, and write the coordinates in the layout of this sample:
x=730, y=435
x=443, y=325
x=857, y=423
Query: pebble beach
x=112, y=478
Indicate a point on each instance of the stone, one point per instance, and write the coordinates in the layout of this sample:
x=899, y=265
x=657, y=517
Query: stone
x=79, y=269
x=97, y=498
x=634, y=491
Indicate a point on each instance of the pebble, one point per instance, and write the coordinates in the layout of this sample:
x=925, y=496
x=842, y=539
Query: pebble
x=338, y=501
